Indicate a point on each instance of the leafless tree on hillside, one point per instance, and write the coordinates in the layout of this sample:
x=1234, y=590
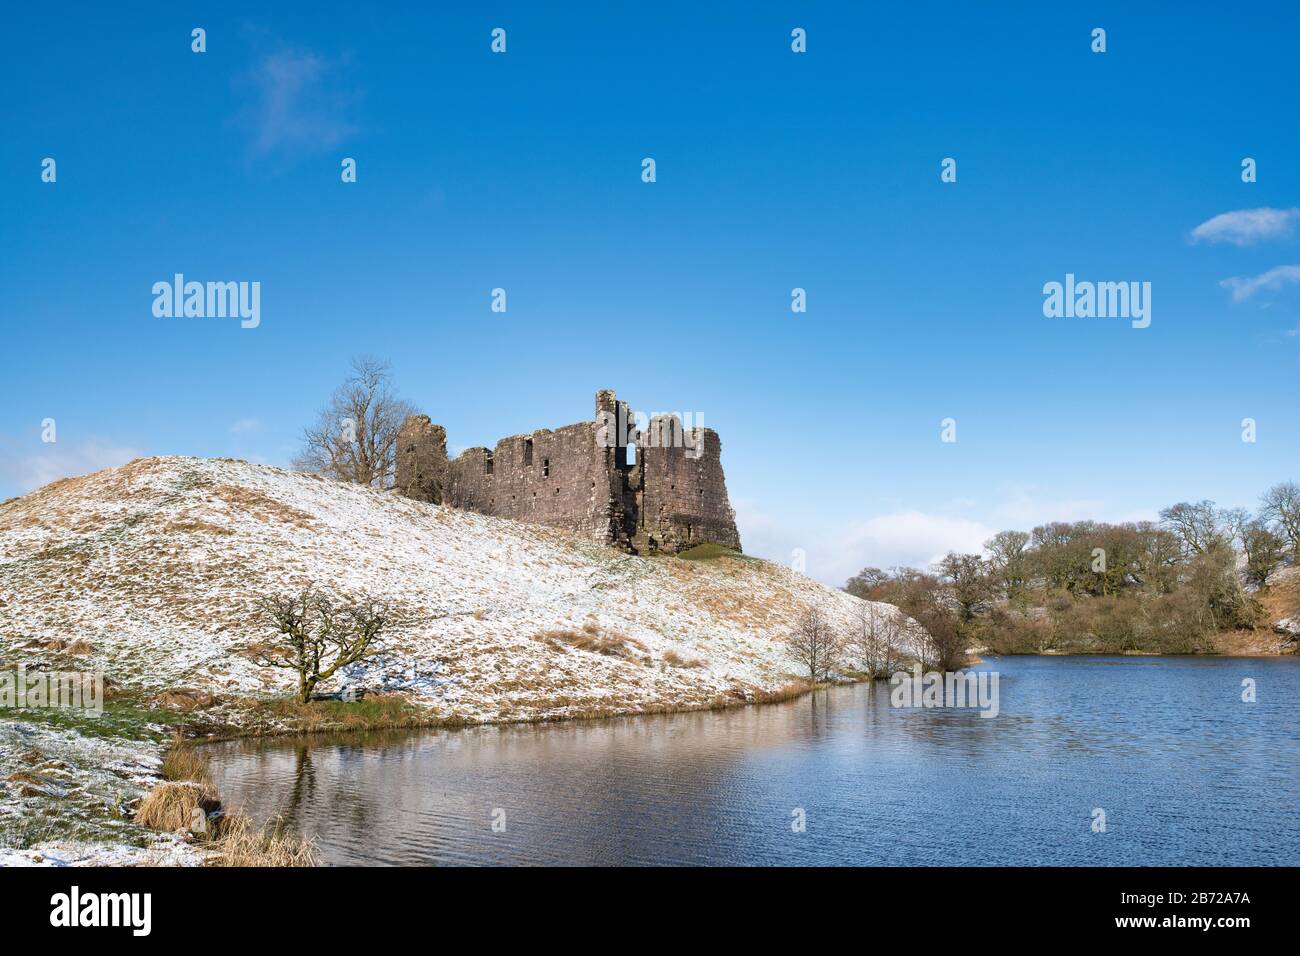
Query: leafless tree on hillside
x=1200, y=525
x=875, y=639
x=815, y=645
x=320, y=635
x=1281, y=506
x=355, y=436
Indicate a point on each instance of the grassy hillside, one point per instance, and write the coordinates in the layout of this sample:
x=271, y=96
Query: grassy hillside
x=151, y=572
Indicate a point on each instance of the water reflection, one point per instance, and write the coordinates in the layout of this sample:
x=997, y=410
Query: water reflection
x=1187, y=774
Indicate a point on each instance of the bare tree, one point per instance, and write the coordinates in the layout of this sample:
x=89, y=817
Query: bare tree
x=1200, y=526
x=1281, y=506
x=865, y=582
x=355, y=436
x=967, y=577
x=321, y=635
x=875, y=639
x=1264, y=550
x=1008, y=560
x=815, y=645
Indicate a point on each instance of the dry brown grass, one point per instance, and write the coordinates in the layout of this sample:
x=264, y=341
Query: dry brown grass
x=31, y=780
x=185, y=699
x=238, y=844
x=585, y=708
x=261, y=506
x=80, y=648
x=177, y=807
x=195, y=526
x=593, y=640
x=183, y=763
x=676, y=660
x=373, y=712
x=182, y=805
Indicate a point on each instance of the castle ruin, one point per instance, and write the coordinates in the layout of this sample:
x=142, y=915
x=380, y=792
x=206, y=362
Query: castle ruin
x=670, y=496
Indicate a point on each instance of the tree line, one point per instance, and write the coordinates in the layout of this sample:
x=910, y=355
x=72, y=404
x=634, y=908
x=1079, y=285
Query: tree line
x=1163, y=586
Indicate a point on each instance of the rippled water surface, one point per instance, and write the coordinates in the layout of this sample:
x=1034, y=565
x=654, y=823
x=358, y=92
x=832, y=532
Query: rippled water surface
x=1185, y=771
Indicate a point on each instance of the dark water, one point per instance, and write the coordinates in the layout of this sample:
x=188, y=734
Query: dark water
x=1185, y=771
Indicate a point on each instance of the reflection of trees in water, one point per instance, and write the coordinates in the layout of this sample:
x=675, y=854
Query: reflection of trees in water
x=302, y=789
x=312, y=794
x=821, y=714
x=678, y=788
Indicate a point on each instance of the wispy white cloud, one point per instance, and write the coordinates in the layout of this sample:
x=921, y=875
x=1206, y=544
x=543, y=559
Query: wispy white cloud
x=299, y=103
x=832, y=556
x=61, y=460
x=1245, y=227
x=245, y=425
x=909, y=537
x=1271, y=281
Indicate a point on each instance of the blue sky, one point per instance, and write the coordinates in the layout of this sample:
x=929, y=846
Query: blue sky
x=775, y=170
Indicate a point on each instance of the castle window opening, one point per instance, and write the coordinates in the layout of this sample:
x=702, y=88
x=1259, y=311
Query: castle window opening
x=487, y=464
x=546, y=468
x=528, y=451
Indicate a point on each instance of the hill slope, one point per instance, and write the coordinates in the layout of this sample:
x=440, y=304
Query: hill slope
x=158, y=565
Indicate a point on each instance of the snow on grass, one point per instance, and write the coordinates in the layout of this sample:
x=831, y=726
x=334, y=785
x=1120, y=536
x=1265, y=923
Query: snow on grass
x=167, y=850
x=151, y=572
x=58, y=782
x=158, y=565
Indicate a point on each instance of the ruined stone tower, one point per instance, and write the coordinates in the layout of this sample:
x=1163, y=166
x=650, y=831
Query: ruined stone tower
x=672, y=496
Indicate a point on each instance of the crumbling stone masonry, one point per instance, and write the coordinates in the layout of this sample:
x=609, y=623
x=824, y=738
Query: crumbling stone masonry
x=673, y=496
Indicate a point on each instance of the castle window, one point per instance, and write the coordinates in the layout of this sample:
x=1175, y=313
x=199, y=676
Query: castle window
x=546, y=468
x=487, y=464
x=528, y=451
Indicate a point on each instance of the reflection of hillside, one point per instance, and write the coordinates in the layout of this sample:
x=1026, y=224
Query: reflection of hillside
x=418, y=790
x=878, y=785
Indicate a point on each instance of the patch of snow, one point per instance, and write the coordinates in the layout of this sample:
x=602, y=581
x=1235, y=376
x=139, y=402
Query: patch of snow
x=158, y=564
x=167, y=851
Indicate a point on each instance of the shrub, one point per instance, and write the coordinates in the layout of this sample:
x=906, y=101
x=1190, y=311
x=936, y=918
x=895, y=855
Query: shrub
x=239, y=844
x=177, y=807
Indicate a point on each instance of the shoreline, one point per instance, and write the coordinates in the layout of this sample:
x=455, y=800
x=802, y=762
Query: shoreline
x=780, y=696
x=154, y=742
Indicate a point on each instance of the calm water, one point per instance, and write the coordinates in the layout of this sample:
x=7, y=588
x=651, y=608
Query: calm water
x=1185, y=772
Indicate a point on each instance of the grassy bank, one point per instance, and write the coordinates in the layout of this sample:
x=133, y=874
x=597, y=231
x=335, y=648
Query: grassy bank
x=187, y=802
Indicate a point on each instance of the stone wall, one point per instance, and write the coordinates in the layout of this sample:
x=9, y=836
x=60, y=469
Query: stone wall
x=421, y=459
x=683, y=495
x=579, y=477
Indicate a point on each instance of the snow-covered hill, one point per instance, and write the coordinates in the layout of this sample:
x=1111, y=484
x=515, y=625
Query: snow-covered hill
x=157, y=565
